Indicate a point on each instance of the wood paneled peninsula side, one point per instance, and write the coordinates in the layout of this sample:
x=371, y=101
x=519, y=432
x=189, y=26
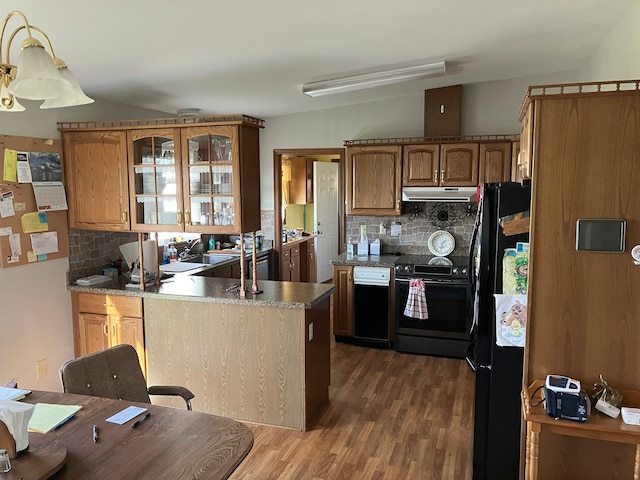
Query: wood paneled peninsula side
x=263, y=359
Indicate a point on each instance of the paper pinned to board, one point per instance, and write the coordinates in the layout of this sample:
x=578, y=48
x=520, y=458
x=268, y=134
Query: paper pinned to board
x=50, y=196
x=6, y=205
x=34, y=222
x=10, y=173
x=43, y=243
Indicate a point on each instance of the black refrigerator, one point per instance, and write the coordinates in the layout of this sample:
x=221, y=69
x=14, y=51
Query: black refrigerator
x=497, y=420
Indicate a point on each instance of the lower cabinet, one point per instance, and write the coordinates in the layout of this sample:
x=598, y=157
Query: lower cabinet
x=343, y=300
x=290, y=264
x=103, y=321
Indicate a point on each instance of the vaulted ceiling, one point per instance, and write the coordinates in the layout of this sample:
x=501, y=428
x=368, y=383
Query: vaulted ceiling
x=252, y=56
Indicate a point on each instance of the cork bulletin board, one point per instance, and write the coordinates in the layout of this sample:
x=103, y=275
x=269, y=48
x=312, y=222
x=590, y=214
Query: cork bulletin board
x=26, y=215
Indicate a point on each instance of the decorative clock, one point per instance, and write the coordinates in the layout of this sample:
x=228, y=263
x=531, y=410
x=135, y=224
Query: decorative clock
x=441, y=243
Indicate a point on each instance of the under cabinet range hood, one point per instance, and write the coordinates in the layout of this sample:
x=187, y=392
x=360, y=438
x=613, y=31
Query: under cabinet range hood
x=439, y=194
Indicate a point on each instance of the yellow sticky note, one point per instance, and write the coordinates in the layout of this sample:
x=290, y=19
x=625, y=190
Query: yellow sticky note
x=31, y=257
x=10, y=173
x=35, y=222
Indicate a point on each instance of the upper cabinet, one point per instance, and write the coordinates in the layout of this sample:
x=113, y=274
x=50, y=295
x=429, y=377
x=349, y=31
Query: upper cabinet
x=524, y=165
x=95, y=167
x=374, y=180
x=421, y=165
x=301, y=184
x=495, y=162
x=154, y=193
x=440, y=165
x=200, y=175
x=459, y=165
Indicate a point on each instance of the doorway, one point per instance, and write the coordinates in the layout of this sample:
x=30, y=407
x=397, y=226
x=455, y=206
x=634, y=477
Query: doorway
x=334, y=155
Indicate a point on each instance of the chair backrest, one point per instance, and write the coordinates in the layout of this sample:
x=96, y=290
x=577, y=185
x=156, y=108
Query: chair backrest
x=111, y=373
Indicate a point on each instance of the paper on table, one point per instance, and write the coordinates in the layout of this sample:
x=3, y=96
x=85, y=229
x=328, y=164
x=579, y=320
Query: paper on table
x=125, y=415
x=48, y=416
x=7, y=393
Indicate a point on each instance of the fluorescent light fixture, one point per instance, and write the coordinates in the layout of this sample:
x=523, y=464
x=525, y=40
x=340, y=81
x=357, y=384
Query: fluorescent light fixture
x=375, y=79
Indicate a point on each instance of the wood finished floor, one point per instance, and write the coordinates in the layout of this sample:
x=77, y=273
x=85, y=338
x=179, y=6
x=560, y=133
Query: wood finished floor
x=391, y=416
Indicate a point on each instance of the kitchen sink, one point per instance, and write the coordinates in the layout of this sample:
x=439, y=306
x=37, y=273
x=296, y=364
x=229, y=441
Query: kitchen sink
x=209, y=258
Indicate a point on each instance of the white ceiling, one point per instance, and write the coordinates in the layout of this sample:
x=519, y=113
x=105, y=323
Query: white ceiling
x=252, y=56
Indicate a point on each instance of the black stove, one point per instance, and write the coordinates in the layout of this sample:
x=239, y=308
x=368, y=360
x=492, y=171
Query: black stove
x=432, y=268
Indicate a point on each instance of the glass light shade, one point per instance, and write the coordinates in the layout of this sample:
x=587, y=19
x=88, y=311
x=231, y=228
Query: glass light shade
x=16, y=107
x=75, y=96
x=37, y=77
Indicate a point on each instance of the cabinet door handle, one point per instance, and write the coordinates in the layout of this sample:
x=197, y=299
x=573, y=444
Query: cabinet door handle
x=106, y=330
x=442, y=176
x=124, y=216
x=397, y=205
x=435, y=175
x=107, y=304
x=179, y=217
x=187, y=217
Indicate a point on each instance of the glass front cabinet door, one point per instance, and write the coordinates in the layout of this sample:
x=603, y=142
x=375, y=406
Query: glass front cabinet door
x=211, y=179
x=155, y=181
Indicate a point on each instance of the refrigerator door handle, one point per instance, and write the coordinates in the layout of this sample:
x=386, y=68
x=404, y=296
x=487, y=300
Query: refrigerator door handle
x=487, y=367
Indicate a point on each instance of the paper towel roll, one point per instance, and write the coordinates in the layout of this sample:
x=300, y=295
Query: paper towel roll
x=16, y=416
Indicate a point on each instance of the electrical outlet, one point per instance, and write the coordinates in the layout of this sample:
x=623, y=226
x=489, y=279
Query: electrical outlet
x=383, y=229
x=311, y=331
x=42, y=368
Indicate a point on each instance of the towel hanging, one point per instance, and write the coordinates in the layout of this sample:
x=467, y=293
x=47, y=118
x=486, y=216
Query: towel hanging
x=416, y=306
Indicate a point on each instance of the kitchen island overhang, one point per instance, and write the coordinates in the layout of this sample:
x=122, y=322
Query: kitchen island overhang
x=264, y=358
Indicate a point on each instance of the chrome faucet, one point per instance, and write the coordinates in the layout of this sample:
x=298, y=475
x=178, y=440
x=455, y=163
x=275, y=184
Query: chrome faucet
x=187, y=251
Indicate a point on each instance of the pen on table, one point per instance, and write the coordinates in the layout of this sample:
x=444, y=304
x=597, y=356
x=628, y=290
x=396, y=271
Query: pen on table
x=140, y=420
x=95, y=434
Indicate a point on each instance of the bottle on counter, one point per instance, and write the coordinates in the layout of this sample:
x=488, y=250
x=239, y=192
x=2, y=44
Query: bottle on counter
x=173, y=252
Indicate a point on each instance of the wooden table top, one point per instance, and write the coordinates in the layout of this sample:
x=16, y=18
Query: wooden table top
x=171, y=443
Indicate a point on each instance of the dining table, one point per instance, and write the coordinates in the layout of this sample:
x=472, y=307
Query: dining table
x=169, y=443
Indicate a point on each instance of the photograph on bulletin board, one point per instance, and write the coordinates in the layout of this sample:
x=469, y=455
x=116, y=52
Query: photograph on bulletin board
x=33, y=207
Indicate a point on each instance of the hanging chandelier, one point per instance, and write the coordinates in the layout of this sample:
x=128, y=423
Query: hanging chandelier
x=38, y=74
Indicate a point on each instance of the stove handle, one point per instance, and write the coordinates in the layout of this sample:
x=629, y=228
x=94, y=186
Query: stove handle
x=429, y=282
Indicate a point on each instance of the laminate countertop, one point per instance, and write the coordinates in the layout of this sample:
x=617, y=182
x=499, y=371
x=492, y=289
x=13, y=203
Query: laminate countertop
x=366, y=260
x=193, y=288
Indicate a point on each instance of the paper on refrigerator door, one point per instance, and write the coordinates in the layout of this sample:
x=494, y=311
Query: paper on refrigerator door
x=511, y=320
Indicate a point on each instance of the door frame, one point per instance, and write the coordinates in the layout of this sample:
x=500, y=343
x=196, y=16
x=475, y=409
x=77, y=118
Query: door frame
x=277, y=194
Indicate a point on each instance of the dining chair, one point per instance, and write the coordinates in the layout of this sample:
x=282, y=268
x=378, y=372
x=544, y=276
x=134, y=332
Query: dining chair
x=114, y=373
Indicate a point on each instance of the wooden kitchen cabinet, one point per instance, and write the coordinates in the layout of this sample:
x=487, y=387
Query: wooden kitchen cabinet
x=459, y=165
x=343, y=300
x=290, y=263
x=154, y=181
x=103, y=321
x=374, y=180
x=95, y=168
x=495, y=162
x=515, y=155
x=421, y=165
x=170, y=175
x=524, y=164
x=301, y=184
x=440, y=165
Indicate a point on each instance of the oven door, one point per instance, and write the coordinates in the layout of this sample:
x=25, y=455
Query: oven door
x=447, y=306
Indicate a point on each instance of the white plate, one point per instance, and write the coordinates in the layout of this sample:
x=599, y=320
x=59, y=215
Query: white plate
x=441, y=261
x=441, y=243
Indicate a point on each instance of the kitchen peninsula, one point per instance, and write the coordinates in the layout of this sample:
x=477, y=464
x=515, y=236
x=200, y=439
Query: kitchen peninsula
x=263, y=359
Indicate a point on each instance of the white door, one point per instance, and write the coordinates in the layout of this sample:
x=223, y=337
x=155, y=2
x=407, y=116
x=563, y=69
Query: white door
x=325, y=213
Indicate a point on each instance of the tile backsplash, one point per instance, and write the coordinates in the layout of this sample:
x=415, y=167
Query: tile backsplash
x=418, y=222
